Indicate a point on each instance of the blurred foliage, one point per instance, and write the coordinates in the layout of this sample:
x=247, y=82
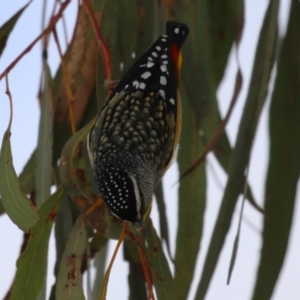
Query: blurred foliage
x=69, y=102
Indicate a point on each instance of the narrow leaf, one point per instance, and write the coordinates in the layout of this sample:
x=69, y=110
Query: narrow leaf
x=69, y=281
x=2, y=210
x=161, y=275
x=284, y=163
x=81, y=64
x=240, y=158
x=44, y=149
x=27, y=176
x=18, y=207
x=192, y=195
x=99, y=245
x=163, y=220
x=136, y=278
x=32, y=264
x=226, y=19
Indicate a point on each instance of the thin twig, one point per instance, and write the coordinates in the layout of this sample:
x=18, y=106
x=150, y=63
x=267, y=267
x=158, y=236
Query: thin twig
x=64, y=26
x=146, y=269
x=107, y=273
x=7, y=92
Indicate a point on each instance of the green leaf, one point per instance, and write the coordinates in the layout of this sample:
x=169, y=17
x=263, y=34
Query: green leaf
x=8, y=26
x=99, y=265
x=226, y=21
x=284, y=163
x=192, y=195
x=99, y=245
x=62, y=229
x=163, y=220
x=240, y=158
x=27, y=176
x=136, y=279
x=69, y=281
x=164, y=285
x=18, y=207
x=32, y=264
x=43, y=175
x=2, y=210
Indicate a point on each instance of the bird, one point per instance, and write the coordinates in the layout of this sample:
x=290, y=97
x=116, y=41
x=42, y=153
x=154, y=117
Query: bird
x=136, y=134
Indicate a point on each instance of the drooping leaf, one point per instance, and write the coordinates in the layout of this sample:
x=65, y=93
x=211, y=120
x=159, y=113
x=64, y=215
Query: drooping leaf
x=63, y=226
x=136, y=280
x=81, y=63
x=226, y=22
x=17, y=206
x=99, y=265
x=240, y=158
x=162, y=276
x=32, y=264
x=69, y=281
x=191, y=207
x=98, y=250
x=8, y=26
x=163, y=220
x=2, y=210
x=284, y=162
x=27, y=176
x=43, y=175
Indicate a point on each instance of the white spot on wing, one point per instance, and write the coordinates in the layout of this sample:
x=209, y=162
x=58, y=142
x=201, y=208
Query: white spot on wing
x=135, y=84
x=163, y=40
x=176, y=30
x=133, y=55
x=172, y=101
x=163, y=68
x=164, y=56
x=142, y=85
x=154, y=54
x=150, y=58
x=162, y=93
x=150, y=64
x=146, y=75
x=163, y=80
x=158, y=48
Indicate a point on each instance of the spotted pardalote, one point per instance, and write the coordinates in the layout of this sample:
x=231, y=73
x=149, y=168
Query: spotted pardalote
x=135, y=136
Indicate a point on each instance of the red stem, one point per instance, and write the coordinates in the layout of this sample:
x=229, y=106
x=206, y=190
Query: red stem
x=102, y=45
